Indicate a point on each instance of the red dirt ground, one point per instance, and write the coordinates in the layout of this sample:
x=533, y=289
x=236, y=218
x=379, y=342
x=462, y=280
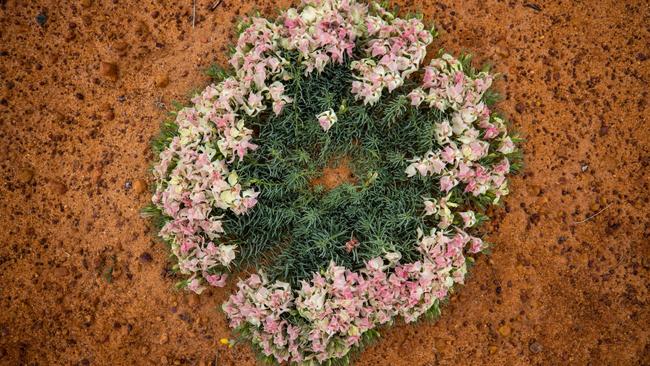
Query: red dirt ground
x=83, y=282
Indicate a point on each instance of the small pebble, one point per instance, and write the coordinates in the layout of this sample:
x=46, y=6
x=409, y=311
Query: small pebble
x=128, y=185
x=164, y=338
x=58, y=187
x=24, y=175
x=61, y=271
x=502, y=52
x=141, y=28
x=86, y=3
x=96, y=175
x=505, y=330
x=107, y=114
x=520, y=108
x=162, y=80
x=41, y=19
x=145, y=257
x=603, y=130
x=139, y=186
x=121, y=48
x=535, y=347
x=58, y=116
x=108, y=70
x=492, y=349
x=194, y=300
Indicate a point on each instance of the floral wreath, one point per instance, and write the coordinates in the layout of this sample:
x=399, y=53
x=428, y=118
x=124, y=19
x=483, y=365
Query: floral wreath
x=327, y=86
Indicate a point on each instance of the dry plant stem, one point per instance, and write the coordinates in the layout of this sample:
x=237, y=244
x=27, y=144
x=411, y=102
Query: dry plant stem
x=193, y=13
x=215, y=4
x=592, y=216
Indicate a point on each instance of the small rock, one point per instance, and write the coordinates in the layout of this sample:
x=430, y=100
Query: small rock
x=162, y=80
x=96, y=175
x=535, y=347
x=139, y=186
x=24, y=175
x=492, y=349
x=520, y=108
x=603, y=130
x=145, y=257
x=41, y=19
x=194, y=300
x=128, y=185
x=58, y=116
x=86, y=3
x=163, y=360
x=594, y=207
x=505, y=330
x=164, y=338
x=584, y=167
x=108, y=70
x=107, y=114
x=141, y=28
x=121, y=48
x=58, y=187
x=502, y=52
x=186, y=318
x=61, y=272
x=87, y=20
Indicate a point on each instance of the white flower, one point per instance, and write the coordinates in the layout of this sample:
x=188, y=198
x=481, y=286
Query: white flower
x=308, y=14
x=507, y=146
x=393, y=257
x=227, y=254
x=430, y=207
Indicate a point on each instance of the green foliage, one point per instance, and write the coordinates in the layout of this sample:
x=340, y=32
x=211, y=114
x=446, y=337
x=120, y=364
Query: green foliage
x=301, y=226
x=217, y=73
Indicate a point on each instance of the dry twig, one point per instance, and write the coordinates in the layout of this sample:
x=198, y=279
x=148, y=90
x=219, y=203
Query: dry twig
x=215, y=4
x=592, y=216
x=193, y=12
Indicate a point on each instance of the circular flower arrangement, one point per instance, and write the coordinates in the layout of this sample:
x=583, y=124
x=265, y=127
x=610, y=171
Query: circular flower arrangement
x=348, y=175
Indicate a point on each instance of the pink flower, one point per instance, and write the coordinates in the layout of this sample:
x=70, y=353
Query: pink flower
x=469, y=218
x=503, y=167
x=417, y=96
x=429, y=208
x=195, y=286
x=507, y=146
x=351, y=244
x=216, y=280
x=447, y=183
x=327, y=119
x=476, y=245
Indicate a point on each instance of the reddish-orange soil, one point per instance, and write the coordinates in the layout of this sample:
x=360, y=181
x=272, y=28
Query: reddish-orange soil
x=84, y=84
x=335, y=174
